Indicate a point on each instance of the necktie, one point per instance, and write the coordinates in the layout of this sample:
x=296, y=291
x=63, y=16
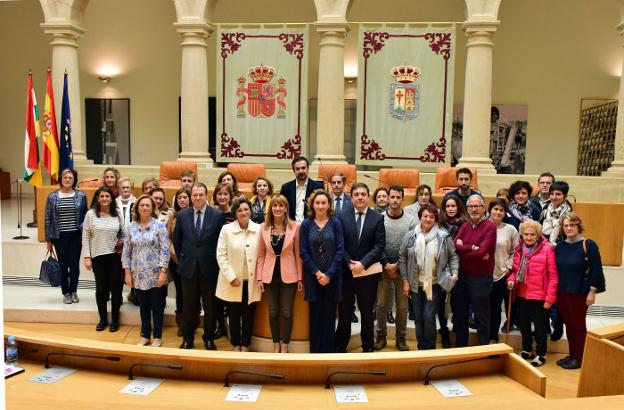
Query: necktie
x=338, y=199
x=358, y=223
x=198, y=223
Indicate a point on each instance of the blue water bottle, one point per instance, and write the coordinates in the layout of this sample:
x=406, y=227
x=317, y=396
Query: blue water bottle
x=11, y=351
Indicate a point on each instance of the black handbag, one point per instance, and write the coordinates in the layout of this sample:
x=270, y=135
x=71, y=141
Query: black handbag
x=50, y=271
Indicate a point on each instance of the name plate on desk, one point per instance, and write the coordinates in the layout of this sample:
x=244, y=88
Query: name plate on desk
x=451, y=388
x=372, y=270
x=142, y=386
x=244, y=392
x=350, y=394
x=52, y=375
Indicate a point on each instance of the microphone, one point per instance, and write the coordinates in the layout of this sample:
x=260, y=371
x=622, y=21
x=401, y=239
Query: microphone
x=373, y=373
x=161, y=366
x=110, y=358
x=496, y=356
x=226, y=380
x=371, y=177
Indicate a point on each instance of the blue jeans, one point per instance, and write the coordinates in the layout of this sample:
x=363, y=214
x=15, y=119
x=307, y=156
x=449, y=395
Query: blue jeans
x=425, y=311
x=152, y=306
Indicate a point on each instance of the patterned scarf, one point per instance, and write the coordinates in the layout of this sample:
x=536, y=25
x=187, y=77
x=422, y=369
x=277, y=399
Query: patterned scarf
x=525, y=256
x=521, y=212
x=452, y=226
x=552, y=220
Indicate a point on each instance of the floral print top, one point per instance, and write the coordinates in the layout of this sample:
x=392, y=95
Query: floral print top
x=145, y=251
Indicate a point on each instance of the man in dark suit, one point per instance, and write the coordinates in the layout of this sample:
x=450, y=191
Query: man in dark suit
x=341, y=200
x=299, y=189
x=364, y=243
x=195, y=242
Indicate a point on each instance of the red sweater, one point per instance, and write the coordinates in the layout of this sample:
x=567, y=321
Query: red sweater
x=471, y=263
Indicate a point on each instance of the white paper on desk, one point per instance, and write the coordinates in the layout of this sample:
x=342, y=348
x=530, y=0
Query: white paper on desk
x=142, y=386
x=52, y=375
x=244, y=392
x=451, y=388
x=350, y=394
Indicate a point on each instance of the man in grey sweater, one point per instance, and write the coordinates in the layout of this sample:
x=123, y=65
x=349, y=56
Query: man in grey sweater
x=397, y=223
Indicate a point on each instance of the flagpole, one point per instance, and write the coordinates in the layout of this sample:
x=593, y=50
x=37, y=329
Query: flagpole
x=19, y=211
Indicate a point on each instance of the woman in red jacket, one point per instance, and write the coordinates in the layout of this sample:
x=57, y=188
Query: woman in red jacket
x=535, y=278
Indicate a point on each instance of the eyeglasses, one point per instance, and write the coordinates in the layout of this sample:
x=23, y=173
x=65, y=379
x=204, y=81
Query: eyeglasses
x=474, y=206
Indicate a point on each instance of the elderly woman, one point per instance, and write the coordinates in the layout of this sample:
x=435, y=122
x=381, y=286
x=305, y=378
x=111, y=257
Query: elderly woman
x=102, y=230
x=236, y=255
x=428, y=264
x=580, y=278
x=506, y=241
x=145, y=259
x=381, y=199
x=520, y=208
x=64, y=215
x=535, y=280
x=322, y=251
x=279, y=269
x=553, y=215
x=262, y=190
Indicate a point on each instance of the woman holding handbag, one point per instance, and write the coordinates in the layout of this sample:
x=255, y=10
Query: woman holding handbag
x=580, y=278
x=102, y=242
x=64, y=214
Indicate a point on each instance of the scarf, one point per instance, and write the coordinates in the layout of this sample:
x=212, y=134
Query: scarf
x=521, y=212
x=426, y=254
x=525, y=256
x=452, y=226
x=552, y=220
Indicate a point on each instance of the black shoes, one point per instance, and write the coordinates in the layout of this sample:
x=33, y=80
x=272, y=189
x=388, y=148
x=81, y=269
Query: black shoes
x=210, y=345
x=562, y=361
x=186, y=345
x=390, y=318
x=101, y=325
x=444, y=336
x=571, y=364
x=114, y=326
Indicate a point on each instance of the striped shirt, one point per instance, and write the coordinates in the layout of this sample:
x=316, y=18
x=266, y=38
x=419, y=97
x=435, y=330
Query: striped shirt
x=67, y=213
x=99, y=235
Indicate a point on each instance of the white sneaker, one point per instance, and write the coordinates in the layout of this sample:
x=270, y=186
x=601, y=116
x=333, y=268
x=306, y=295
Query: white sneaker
x=157, y=342
x=143, y=342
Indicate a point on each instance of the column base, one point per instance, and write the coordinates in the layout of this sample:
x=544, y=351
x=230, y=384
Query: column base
x=329, y=159
x=483, y=165
x=202, y=159
x=616, y=170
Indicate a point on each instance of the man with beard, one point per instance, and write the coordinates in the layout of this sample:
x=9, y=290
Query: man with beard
x=463, y=191
x=299, y=189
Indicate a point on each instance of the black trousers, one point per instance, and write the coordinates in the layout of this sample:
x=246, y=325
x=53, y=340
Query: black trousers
x=241, y=316
x=533, y=310
x=475, y=292
x=499, y=290
x=365, y=291
x=442, y=310
x=280, y=297
x=323, y=320
x=108, y=281
x=177, y=282
x=68, y=247
x=195, y=288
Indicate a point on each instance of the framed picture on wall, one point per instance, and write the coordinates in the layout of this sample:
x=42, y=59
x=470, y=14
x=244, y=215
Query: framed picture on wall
x=508, y=134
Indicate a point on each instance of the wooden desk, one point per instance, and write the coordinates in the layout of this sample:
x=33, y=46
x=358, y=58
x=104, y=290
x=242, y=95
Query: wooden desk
x=603, y=361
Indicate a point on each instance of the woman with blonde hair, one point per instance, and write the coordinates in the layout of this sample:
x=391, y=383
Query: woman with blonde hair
x=534, y=277
x=262, y=190
x=279, y=270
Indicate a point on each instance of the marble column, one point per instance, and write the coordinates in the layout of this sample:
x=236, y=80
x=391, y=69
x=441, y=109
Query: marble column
x=478, y=96
x=617, y=166
x=330, y=107
x=65, y=58
x=194, y=92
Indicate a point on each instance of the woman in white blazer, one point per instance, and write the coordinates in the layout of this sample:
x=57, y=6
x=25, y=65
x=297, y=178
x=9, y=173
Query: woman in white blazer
x=236, y=255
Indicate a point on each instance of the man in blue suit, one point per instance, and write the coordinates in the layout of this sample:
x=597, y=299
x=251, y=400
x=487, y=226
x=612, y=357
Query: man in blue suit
x=195, y=242
x=364, y=243
x=340, y=199
x=299, y=189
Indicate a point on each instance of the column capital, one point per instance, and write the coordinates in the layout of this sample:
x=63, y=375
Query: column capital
x=63, y=33
x=194, y=33
x=337, y=27
x=472, y=28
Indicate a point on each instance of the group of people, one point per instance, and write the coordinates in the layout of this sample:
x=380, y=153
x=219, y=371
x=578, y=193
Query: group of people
x=525, y=252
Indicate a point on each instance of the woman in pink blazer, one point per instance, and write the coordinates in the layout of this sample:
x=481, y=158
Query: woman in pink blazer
x=278, y=269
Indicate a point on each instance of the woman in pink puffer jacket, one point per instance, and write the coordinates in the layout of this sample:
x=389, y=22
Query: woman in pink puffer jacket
x=535, y=279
